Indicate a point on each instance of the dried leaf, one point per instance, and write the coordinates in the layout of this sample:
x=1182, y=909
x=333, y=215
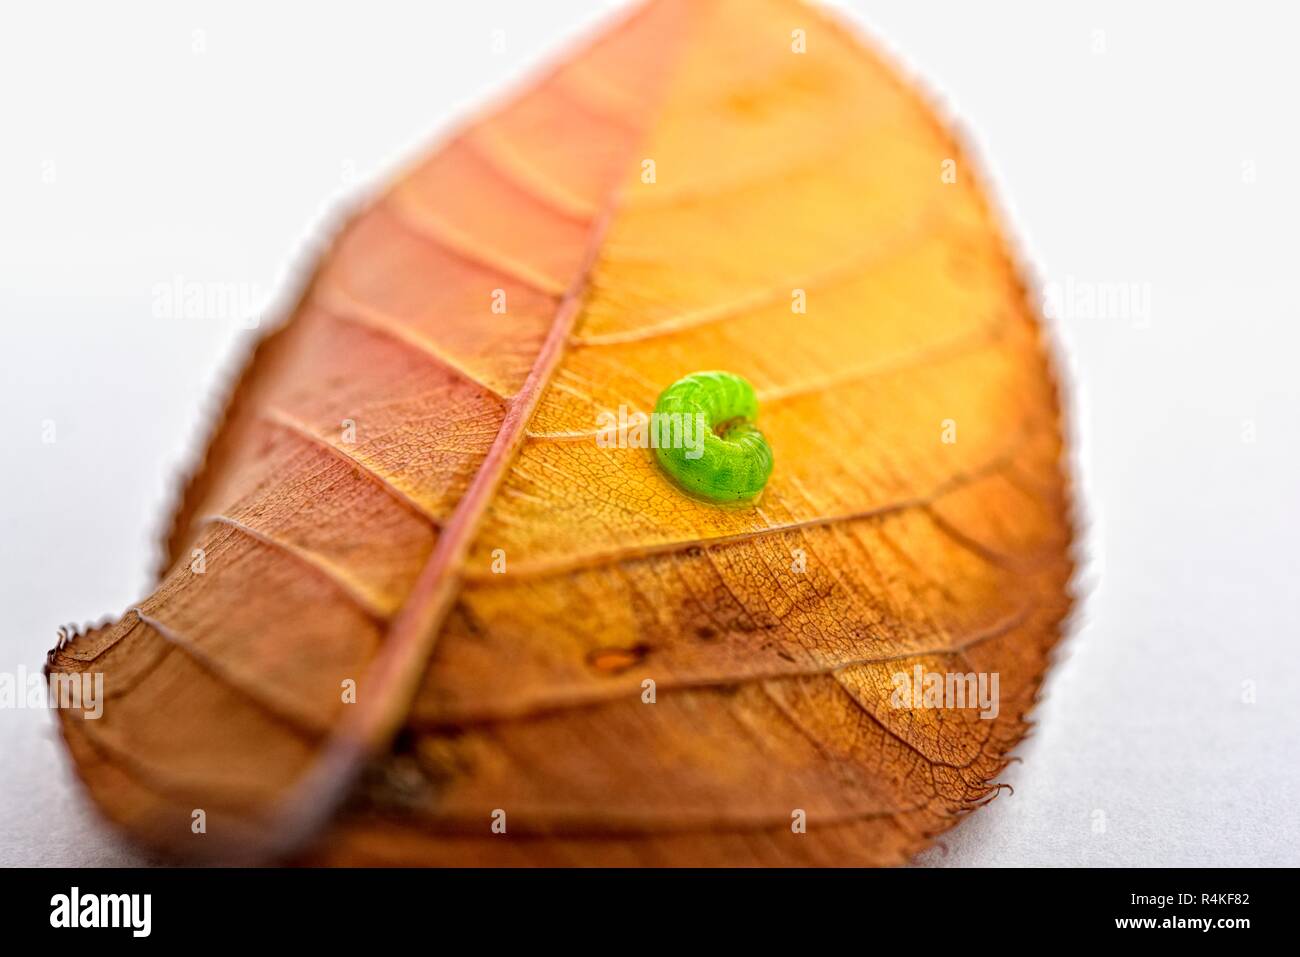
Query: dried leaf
x=407, y=492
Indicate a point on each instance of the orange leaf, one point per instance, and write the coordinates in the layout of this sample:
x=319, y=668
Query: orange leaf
x=409, y=522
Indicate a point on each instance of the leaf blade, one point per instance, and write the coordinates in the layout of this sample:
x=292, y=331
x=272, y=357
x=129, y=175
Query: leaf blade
x=364, y=559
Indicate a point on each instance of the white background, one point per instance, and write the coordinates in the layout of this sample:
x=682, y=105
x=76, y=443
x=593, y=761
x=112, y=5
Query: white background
x=1149, y=144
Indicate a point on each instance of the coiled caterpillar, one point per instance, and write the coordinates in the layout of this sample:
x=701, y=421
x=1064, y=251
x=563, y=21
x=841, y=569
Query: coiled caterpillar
x=736, y=460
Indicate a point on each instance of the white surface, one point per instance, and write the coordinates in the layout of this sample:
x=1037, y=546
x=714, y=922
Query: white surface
x=1122, y=166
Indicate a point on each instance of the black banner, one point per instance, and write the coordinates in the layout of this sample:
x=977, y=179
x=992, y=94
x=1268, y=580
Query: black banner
x=938, y=907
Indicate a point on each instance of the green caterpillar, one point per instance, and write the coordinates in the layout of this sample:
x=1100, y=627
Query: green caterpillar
x=733, y=460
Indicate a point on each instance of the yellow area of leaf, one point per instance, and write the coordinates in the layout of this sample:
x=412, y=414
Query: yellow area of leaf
x=407, y=495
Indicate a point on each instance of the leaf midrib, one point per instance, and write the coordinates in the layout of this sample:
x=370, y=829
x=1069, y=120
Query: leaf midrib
x=394, y=675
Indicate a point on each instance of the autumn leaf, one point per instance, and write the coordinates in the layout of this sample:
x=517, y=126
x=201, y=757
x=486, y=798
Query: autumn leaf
x=417, y=611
